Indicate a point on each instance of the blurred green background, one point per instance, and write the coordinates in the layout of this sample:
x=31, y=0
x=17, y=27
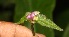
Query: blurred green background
x=56, y=10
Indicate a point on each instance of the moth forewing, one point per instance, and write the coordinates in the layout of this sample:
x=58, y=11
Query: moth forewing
x=42, y=20
x=22, y=20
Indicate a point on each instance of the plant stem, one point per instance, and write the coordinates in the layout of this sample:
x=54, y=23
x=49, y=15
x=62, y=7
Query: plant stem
x=32, y=28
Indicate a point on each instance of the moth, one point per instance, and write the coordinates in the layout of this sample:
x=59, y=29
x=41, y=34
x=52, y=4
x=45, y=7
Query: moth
x=36, y=17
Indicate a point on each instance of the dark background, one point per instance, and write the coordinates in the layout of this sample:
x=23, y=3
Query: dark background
x=60, y=15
